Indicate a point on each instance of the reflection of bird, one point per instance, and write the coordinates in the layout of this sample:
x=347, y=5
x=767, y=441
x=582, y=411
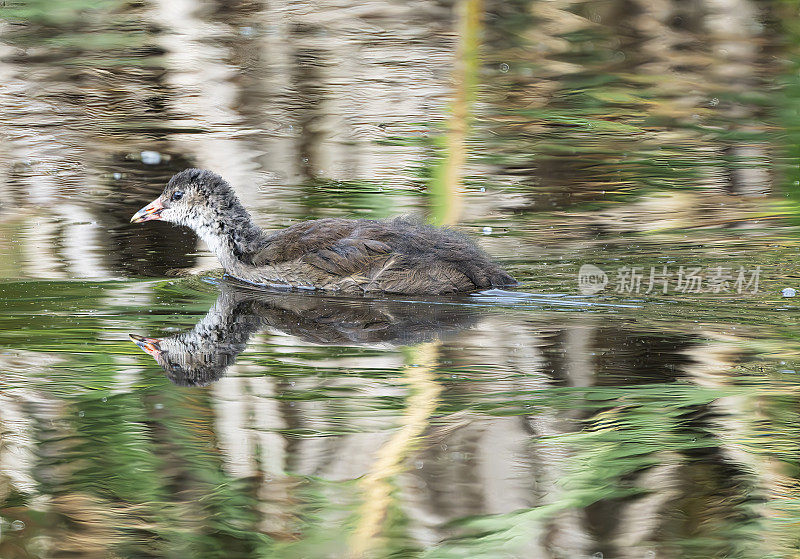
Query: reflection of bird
x=201, y=355
x=345, y=255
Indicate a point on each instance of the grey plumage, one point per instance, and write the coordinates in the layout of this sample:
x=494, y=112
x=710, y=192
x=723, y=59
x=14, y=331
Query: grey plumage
x=203, y=354
x=351, y=256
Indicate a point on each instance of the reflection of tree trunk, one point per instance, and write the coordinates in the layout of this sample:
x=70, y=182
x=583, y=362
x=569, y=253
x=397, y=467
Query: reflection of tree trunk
x=567, y=532
x=650, y=64
x=735, y=36
x=345, y=456
x=21, y=410
x=311, y=100
x=247, y=416
x=639, y=522
x=8, y=158
x=35, y=435
x=474, y=464
x=676, y=38
x=34, y=153
x=205, y=90
x=470, y=459
x=739, y=424
x=57, y=161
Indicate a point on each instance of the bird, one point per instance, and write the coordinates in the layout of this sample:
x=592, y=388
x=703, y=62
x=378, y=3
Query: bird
x=348, y=256
x=202, y=355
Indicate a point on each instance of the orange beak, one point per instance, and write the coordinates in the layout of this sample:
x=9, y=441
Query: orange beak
x=150, y=212
x=149, y=345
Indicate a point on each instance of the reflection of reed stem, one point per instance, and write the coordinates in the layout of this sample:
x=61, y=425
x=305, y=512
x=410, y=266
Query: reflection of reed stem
x=391, y=456
x=446, y=185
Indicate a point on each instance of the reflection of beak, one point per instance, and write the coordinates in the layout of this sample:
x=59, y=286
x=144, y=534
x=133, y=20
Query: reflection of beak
x=149, y=212
x=149, y=345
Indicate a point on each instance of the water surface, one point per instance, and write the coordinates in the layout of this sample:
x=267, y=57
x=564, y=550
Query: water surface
x=656, y=417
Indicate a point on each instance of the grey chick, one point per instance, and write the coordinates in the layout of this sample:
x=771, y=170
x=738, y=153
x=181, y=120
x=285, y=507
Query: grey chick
x=353, y=256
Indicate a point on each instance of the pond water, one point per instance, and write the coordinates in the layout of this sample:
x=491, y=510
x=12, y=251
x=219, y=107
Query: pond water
x=634, y=165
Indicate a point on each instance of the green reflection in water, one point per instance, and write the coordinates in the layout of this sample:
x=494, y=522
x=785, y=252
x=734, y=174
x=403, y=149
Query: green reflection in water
x=672, y=428
x=149, y=462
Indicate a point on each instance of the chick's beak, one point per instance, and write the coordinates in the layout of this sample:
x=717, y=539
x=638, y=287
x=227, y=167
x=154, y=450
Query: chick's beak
x=149, y=212
x=149, y=345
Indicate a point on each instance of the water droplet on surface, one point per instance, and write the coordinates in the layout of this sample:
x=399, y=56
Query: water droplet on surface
x=504, y=67
x=150, y=157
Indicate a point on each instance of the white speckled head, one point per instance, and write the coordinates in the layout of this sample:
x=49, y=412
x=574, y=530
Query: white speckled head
x=205, y=202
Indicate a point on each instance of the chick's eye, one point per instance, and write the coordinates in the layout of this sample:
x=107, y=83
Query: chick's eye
x=177, y=195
